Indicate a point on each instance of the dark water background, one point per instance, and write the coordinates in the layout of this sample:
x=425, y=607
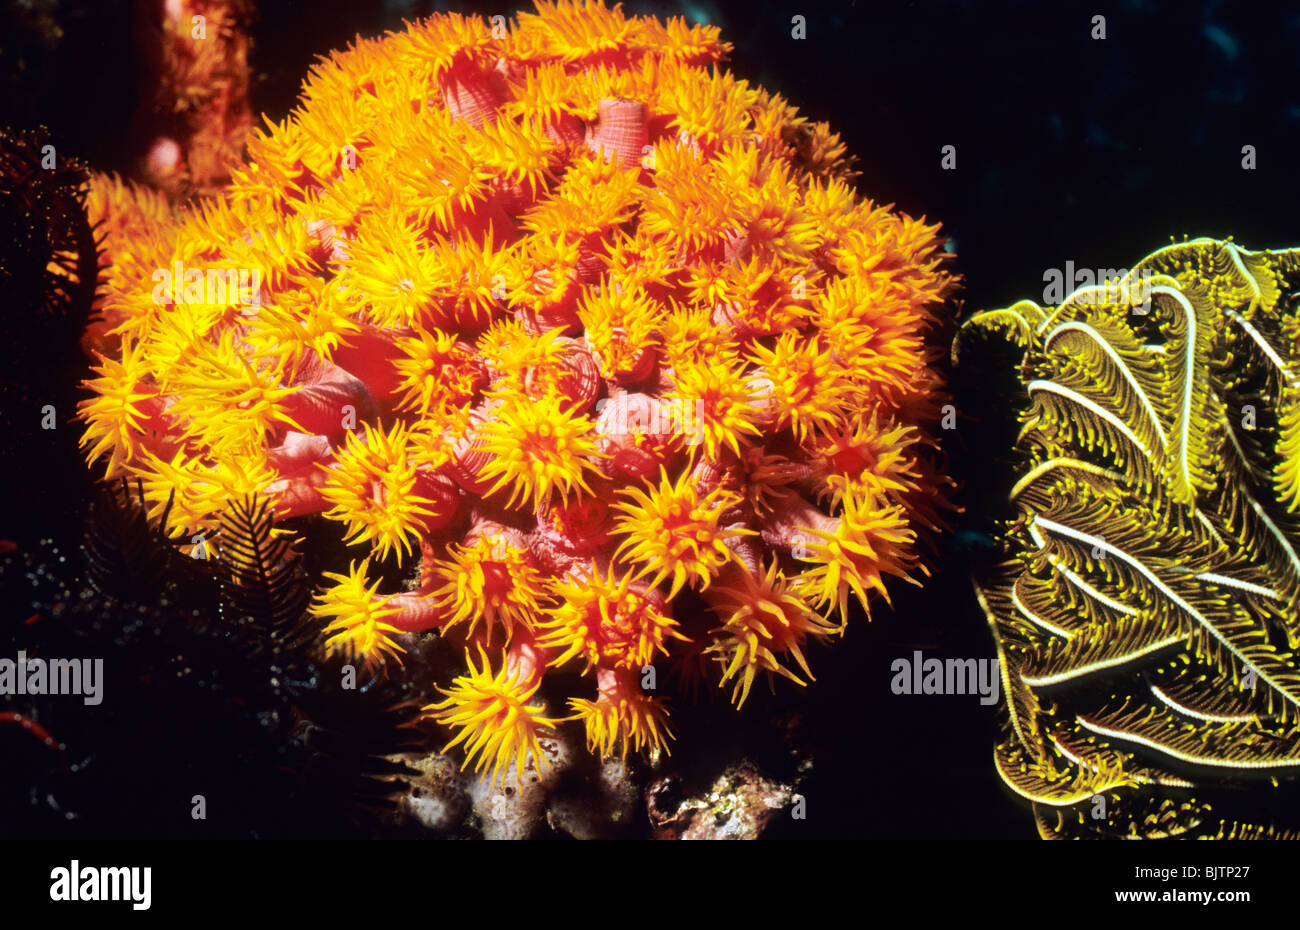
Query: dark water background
x=1069, y=149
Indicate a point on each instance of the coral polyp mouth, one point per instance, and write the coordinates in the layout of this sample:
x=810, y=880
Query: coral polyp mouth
x=592, y=326
x=608, y=621
x=539, y=448
x=671, y=532
x=493, y=580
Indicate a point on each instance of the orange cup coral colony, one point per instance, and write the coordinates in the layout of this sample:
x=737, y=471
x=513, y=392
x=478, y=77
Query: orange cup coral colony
x=599, y=332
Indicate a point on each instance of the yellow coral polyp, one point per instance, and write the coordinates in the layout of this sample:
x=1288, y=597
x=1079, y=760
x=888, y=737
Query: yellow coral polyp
x=490, y=580
x=442, y=42
x=871, y=456
x=356, y=614
x=713, y=112
x=190, y=489
x=116, y=415
x=636, y=720
x=496, y=718
x=373, y=490
x=622, y=325
x=724, y=401
x=541, y=273
x=688, y=209
x=604, y=619
x=594, y=196
x=690, y=335
x=303, y=324
x=539, y=448
x=437, y=373
x=577, y=31
x=219, y=380
x=809, y=390
x=763, y=620
x=541, y=97
x=673, y=532
x=870, y=541
x=754, y=294
x=519, y=157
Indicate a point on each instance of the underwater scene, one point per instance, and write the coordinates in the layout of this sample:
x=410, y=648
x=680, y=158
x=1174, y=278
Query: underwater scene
x=667, y=420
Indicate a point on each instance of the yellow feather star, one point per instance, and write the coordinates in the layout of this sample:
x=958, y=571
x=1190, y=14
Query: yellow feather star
x=1145, y=601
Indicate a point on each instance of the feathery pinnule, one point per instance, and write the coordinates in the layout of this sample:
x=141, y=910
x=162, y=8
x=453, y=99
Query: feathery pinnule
x=1145, y=599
